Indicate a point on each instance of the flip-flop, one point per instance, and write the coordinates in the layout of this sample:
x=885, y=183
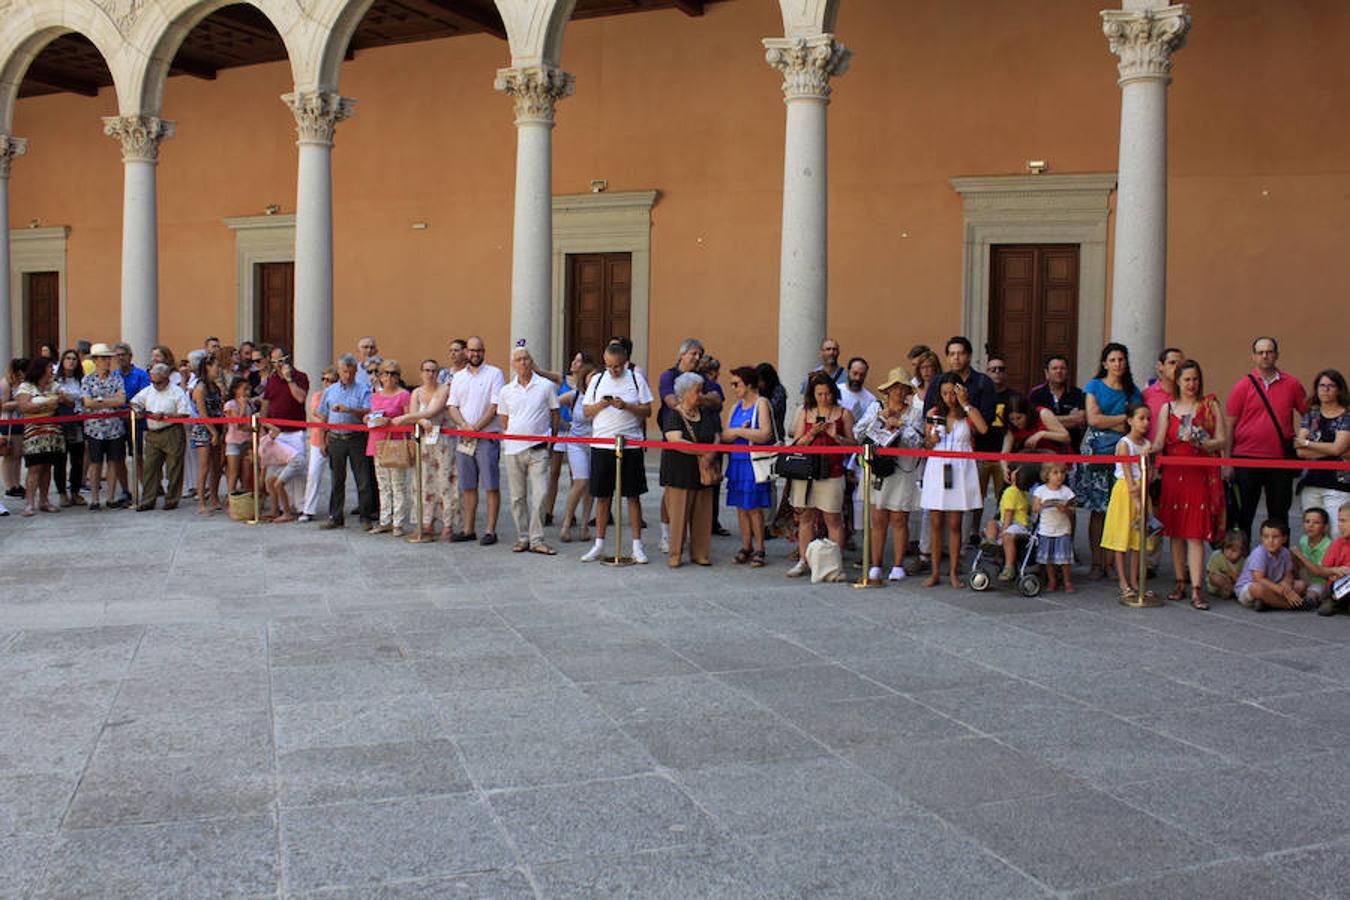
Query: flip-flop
x=543, y=550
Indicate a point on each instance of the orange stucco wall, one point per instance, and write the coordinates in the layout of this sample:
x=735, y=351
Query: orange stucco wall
x=1260, y=174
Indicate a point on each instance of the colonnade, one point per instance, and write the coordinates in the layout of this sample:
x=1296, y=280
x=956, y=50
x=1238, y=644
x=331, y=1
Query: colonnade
x=1144, y=34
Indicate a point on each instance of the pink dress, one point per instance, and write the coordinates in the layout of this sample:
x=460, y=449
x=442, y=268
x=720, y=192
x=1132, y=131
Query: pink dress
x=382, y=404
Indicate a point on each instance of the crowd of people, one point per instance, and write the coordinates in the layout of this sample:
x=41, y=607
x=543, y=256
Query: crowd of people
x=926, y=508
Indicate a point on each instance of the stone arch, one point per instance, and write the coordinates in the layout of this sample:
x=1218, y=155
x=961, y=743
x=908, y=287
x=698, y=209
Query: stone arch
x=330, y=43
x=534, y=29
x=30, y=26
x=163, y=25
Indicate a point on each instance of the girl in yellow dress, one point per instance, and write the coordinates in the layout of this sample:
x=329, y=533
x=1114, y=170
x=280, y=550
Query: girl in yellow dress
x=1121, y=532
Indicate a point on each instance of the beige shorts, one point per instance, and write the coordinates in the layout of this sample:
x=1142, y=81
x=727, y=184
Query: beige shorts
x=826, y=495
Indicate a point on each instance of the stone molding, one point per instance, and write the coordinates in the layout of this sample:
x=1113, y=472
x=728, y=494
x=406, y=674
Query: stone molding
x=11, y=148
x=317, y=114
x=605, y=223
x=536, y=91
x=1038, y=209
x=35, y=250
x=124, y=13
x=1145, y=40
x=257, y=239
x=140, y=135
x=807, y=64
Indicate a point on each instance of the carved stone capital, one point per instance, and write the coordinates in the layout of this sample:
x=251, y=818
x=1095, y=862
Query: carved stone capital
x=807, y=64
x=1145, y=40
x=317, y=114
x=10, y=149
x=140, y=135
x=536, y=90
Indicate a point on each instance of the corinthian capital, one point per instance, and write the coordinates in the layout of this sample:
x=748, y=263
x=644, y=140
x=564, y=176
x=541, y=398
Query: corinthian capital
x=317, y=114
x=140, y=135
x=807, y=64
x=1145, y=40
x=10, y=148
x=536, y=90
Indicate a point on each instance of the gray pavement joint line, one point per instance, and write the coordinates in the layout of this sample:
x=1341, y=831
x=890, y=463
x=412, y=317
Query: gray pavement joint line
x=276, y=775
x=103, y=726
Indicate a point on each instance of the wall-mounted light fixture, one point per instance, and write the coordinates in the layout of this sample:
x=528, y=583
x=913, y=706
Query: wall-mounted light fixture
x=599, y=185
x=419, y=226
x=34, y=223
x=1037, y=166
x=272, y=209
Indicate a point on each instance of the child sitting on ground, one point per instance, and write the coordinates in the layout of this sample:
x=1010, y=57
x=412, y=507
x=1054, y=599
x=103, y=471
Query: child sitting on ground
x=1311, y=549
x=1225, y=566
x=1053, y=504
x=1267, y=579
x=1336, y=566
x=1014, y=519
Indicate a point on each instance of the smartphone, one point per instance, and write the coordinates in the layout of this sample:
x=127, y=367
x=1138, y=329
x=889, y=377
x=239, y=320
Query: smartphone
x=946, y=478
x=934, y=420
x=819, y=419
x=607, y=397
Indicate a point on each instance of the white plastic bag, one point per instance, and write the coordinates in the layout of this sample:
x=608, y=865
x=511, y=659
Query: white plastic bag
x=825, y=560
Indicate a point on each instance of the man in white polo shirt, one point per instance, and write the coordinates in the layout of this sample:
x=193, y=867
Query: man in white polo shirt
x=618, y=401
x=528, y=405
x=473, y=407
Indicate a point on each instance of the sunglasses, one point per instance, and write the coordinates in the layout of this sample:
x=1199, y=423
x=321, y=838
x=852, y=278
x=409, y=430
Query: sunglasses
x=997, y=369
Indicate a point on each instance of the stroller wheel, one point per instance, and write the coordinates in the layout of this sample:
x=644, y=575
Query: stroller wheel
x=1030, y=586
x=979, y=581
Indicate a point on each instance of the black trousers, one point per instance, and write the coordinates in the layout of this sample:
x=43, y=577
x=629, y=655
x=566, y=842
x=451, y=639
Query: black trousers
x=1278, y=485
x=350, y=451
x=75, y=460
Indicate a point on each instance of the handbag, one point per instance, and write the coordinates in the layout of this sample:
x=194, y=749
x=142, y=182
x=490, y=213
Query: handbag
x=762, y=462
x=798, y=466
x=709, y=464
x=394, y=454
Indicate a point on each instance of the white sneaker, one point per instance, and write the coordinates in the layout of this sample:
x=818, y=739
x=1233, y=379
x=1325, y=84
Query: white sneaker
x=874, y=573
x=594, y=553
x=305, y=517
x=898, y=573
x=798, y=570
x=664, y=546
x=639, y=554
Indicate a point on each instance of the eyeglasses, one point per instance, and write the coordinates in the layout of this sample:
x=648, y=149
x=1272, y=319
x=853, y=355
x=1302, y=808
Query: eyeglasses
x=1326, y=386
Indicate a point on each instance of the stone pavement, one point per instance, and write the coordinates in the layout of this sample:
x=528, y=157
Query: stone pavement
x=198, y=708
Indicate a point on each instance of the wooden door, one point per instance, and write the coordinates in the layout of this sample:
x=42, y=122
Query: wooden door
x=276, y=304
x=1033, y=308
x=599, y=299
x=42, y=292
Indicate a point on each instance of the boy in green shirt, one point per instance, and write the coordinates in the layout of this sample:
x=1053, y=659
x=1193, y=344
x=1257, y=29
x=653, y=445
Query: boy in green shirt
x=1312, y=547
x=1224, y=567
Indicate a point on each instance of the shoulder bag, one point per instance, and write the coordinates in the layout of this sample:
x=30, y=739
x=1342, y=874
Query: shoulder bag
x=1286, y=443
x=709, y=464
x=795, y=465
x=763, y=461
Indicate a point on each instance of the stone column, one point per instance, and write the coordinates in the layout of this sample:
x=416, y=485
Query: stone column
x=317, y=114
x=10, y=149
x=807, y=65
x=536, y=91
x=1144, y=35
x=140, y=137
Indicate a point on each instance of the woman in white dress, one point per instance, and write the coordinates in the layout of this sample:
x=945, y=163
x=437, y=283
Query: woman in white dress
x=951, y=486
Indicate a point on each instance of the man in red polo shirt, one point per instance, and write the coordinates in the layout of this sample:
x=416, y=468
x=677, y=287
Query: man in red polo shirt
x=1263, y=414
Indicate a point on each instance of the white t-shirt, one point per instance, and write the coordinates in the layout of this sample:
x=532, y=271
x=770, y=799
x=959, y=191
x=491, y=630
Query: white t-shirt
x=529, y=407
x=473, y=392
x=630, y=387
x=1054, y=521
x=856, y=403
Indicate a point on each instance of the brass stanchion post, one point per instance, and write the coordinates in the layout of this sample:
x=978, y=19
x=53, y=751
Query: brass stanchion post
x=1143, y=598
x=616, y=502
x=868, y=453
x=419, y=482
x=135, y=461
x=257, y=477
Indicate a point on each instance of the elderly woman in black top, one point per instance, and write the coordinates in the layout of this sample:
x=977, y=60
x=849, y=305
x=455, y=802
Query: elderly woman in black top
x=685, y=473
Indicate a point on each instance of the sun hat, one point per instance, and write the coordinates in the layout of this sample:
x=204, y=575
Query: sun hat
x=898, y=375
x=102, y=349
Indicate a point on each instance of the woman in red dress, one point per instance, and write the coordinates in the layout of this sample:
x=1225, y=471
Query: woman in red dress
x=1192, y=507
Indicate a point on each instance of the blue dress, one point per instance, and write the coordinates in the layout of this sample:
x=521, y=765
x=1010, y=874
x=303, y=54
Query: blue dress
x=743, y=492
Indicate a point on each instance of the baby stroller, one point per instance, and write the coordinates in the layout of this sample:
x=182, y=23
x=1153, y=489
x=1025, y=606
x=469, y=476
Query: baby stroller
x=984, y=568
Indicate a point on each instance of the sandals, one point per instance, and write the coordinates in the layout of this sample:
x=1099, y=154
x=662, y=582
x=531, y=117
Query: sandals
x=543, y=550
x=1198, y=600
x=742, y=556
x=757, y=559
x=1178, y=592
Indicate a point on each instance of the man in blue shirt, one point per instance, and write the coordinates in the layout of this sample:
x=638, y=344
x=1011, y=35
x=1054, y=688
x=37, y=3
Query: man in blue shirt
x=347, y=402
x=980, y=391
